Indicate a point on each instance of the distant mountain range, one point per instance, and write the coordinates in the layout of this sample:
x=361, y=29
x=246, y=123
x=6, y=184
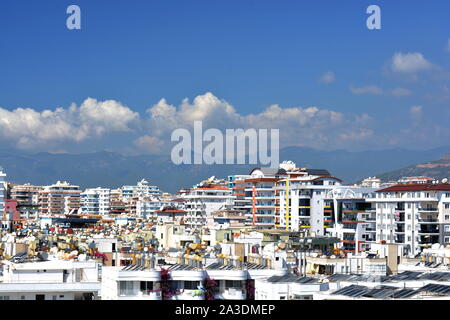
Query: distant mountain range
x=438, y=169
x=113, y=170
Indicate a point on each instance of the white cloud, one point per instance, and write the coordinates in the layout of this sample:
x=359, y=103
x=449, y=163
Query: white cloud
x=409, y=62
x=372, y=89
x=310, y=126
x=30, y=129
x=106, y=116
x=148, y=144
x=328, y=77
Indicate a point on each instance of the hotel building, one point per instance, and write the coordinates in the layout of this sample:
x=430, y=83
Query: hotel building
x=413, y=215
x=95, y=201
x=59, y=198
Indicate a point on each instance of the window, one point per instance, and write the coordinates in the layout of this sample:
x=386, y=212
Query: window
x=146, y=286
x=54, y=297
x=233, y=284
x=22, y=297
x=191, y=285
x=447, y=239
x=126, y=287
x=447, y=228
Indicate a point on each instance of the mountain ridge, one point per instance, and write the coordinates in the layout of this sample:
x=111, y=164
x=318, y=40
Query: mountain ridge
x=112, y=170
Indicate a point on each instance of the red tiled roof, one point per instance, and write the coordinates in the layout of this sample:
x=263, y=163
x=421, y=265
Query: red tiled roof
x=417, y=187
x=171, y=211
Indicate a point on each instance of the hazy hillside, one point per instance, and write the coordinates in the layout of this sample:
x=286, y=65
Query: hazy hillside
x=113, y=170
x=438, y=169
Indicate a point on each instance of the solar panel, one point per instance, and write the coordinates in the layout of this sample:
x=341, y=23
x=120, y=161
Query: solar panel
x=352, y=291
x=405, y=293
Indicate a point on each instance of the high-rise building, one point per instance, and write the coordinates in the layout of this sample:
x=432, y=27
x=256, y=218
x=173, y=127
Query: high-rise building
x=413, y=215
x=203, y=200
x=302, y=200
x=349, y=216
x=2, y=190
x=27, y=197
x=59, y=198
x=141, y=190
x=95, y=201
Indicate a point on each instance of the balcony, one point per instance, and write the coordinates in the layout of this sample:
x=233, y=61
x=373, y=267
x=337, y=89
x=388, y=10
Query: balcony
x=400, y=229
x=234, y=294
x=429, y=230
x=433, y=209
x=140, y=295
x=428, y=221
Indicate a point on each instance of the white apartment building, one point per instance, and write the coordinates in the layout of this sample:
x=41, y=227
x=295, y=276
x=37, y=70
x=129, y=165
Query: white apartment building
x=95, y=201
x=350, y=217
x=146, y=208
x=138, y=282
x=59, y=198
x=302, y=200
x=50, y=280
x=141, y=190
x=413, y=215
x=2, y=190
x=202, y=201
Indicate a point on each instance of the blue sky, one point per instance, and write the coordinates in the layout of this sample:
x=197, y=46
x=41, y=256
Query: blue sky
x=250, y=55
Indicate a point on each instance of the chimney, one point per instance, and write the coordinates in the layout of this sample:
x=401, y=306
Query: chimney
x=392, y=259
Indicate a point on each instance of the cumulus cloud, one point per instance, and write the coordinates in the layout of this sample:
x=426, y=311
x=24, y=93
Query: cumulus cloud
x=409, y=63
x=148, y=144
x=30, y=129
x=328, y=77
x=311, y=126
x=298, y=126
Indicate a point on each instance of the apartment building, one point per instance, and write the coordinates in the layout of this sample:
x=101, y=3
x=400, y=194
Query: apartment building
x=257, y=196
x=2, y=190
x=187, y=281
x=59, y=198
x=302, y=200
x=116, y=205
x=350, y=217
x=141, y=190
x=203, y=200
x=95, y=201
x=413, y=215
x=146, y=208
x=27, y=197
x=49, y=280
